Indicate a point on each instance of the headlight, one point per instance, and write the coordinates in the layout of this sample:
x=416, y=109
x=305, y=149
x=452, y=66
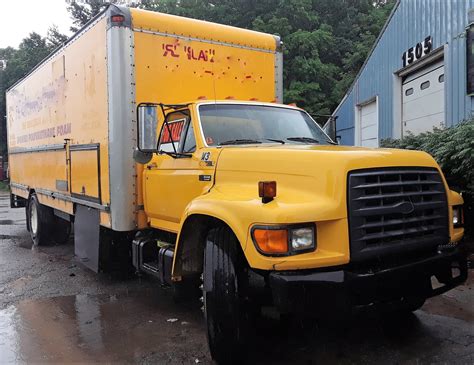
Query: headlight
x=302, y=238
x=284, y=240
x=457, y=216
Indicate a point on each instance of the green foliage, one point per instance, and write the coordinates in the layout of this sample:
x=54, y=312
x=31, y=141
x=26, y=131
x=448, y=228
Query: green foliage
x=452, y=148
x=55, y=38
x=81, y=14
x=325, y=41
x=4, y=186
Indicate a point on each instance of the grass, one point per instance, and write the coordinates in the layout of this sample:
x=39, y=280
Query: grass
x=4, y=186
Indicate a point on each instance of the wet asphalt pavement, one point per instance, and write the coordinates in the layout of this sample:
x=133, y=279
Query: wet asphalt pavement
x=52, y=310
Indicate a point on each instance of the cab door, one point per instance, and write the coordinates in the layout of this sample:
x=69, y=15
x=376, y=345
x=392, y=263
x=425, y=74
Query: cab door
x=172, y=180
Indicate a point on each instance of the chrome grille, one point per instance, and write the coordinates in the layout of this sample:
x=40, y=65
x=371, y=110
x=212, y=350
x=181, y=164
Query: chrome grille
x=394, y=210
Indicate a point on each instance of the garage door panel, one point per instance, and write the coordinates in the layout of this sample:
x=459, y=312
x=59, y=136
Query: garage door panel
x=369, y=119
x=370, y=108
x=423, y=100
x=368, y=127
x=415, y=110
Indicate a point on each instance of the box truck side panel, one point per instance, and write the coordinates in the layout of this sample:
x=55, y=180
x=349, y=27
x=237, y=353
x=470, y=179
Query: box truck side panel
x=58, y=125
x=179, y=60
x=197, y=70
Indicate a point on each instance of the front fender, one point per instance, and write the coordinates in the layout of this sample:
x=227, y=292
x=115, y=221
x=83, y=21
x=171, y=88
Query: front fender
x=240, y=208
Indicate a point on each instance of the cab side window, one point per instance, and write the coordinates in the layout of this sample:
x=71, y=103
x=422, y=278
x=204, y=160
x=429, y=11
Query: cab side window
x=189, y=145
x=177, y=133
x=171, y=134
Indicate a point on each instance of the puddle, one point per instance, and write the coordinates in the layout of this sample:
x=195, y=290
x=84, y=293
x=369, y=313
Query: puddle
x=7, y=236
x=102, y=328
x=18, y=222
x=147, y=327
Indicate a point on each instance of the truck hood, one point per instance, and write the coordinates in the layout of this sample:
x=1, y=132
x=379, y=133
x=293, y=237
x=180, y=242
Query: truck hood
x=305, y=173
x=314, y=160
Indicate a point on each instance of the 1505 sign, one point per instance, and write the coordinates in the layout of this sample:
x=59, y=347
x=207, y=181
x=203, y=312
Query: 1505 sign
x=415, y=53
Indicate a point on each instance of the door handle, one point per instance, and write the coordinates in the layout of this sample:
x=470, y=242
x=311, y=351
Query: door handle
x=153, y=165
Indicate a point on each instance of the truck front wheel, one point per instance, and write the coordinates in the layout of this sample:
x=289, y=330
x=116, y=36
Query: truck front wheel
x=39, y=221
x=226, y=306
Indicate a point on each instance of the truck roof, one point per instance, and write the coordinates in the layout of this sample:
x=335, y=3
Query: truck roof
x=173, y=25
x=202, y=30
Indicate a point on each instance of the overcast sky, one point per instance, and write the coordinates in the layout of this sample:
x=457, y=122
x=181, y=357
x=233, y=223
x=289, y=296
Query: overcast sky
x=21, y=17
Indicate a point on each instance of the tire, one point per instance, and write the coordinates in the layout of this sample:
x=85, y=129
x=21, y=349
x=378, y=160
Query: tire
x=405, y=307
x=187, y=291
x=226, y=307
x=39, y=221
x=412, y=304
x=61, y=231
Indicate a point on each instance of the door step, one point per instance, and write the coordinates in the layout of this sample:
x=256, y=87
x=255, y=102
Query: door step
x=150, y=258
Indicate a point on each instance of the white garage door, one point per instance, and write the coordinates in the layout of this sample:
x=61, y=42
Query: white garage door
x=423, y=100
x=368, y=125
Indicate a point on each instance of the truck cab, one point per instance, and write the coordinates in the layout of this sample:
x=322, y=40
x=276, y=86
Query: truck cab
x=257, y=192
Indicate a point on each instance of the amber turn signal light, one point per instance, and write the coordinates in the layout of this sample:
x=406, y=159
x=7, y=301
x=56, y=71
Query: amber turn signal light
x=271, y=241
x=267, y=190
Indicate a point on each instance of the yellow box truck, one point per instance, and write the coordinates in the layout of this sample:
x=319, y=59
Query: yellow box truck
x=164, y=141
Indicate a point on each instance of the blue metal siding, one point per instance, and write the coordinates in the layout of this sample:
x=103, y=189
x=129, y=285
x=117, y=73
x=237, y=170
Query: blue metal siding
x=412, y=21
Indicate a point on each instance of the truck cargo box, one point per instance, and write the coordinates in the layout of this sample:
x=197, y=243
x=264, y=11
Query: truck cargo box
x=72, y=120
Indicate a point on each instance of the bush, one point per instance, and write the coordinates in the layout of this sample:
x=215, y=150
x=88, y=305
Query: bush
x=453, y=149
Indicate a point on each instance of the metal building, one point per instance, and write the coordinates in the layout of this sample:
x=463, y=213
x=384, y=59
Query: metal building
x=418, y=75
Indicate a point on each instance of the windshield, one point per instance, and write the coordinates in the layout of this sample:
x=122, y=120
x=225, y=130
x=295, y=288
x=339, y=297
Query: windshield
x=226, y=124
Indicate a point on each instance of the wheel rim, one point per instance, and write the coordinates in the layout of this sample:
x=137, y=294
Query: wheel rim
x=34, y=219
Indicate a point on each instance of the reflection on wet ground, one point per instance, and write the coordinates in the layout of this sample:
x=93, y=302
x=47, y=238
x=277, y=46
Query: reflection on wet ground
x=100, y=328
x=147, y=327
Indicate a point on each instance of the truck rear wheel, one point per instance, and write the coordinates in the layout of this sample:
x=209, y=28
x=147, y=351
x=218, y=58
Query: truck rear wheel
x=40, y=220
x=224, y=295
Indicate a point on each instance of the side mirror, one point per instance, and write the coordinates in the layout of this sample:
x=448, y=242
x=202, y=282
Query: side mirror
x=146, y=132
x=147, y=120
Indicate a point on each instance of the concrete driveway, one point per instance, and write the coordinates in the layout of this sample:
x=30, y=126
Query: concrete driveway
x=52, y=310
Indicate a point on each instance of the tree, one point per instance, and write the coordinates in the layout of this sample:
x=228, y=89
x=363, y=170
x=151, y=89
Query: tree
x=81, y=14
x=55, y=38
x=325, y=41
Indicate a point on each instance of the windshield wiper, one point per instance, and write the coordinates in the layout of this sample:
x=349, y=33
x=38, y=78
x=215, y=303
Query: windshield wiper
x=239, y=141
x=303, y=139
x=175, y=154
x=275, y=140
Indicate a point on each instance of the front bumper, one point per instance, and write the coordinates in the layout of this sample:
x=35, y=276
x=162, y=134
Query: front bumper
x=321, y=293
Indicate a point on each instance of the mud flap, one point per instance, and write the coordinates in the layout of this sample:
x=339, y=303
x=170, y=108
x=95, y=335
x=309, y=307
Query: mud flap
x=87, y=237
